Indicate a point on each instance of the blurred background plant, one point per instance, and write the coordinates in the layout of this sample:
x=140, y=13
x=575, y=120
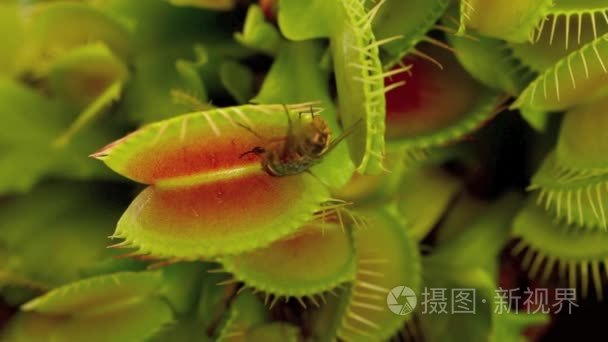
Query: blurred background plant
x=473, y=158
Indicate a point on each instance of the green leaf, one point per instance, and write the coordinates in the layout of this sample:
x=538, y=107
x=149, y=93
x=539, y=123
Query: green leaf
x=246, y=312
x=10, y=44
x=122, y=303
x=21, y=110
x=238, y=81
x=510, y=327
x=304, y=20
x=275, y=332
x=459, y=327
x=29, y=242
x=167, y=35
x=181, y=285
x=258, y=33
x=28, y=157
x=199, y=302
x=110, y=95
x=419, y=188
x=148, y=96
x=483, y=240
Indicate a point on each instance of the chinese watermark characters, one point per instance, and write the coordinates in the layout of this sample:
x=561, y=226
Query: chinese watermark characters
x=437, y=301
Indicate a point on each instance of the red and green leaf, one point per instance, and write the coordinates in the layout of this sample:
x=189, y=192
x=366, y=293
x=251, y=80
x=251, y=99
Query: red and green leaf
x=317, y=258
x=204, y=199
x=416, y=119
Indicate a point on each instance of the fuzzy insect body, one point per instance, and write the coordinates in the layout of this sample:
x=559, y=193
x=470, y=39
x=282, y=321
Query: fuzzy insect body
x=304, y=145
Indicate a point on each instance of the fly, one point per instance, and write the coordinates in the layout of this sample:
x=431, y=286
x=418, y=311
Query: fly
x=304, y=146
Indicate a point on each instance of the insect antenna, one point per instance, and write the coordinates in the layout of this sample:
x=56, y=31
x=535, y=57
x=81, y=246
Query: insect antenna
x=256, y=150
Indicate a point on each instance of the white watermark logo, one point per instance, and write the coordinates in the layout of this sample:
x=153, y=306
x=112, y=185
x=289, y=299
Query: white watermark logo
x=401, y=300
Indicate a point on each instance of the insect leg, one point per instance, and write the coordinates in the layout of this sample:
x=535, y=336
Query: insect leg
x=251, y=131
x=344, y=134
x=290, y=137
x=256, y=150
x=289, y=123
x=312, y=174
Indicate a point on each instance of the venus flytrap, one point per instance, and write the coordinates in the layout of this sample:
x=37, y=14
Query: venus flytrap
x=362, y=312
x=416, y=121
x=196, y=174
x=389, y=23
x=357, y=68
x=492, y=62
x=124, y=303
x=254, y=231
x=564, y=31
x=573, y=80
x=509, y=20
x=550, y=250
x=374, y=190
x=317, y=258
x=83, y=73
x=89, y=78
x=571, y=182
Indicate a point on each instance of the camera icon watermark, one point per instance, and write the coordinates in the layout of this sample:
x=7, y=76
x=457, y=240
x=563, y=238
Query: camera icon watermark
x=401, y=300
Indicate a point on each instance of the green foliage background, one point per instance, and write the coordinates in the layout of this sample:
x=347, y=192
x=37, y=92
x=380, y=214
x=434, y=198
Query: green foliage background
x=475, y=156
